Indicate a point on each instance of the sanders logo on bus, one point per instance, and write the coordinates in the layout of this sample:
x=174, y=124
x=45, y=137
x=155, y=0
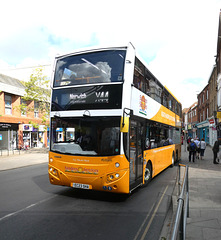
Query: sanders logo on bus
x=143, y=105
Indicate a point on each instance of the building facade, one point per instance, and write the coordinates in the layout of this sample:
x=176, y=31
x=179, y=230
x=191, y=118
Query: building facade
x=19, y=129
x=203, y=114
x=192, y=120
x=185, y=122
x=212, y=106
x=218, y=64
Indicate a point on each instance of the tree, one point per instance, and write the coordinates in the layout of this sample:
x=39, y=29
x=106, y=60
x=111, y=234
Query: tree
x=37, y=90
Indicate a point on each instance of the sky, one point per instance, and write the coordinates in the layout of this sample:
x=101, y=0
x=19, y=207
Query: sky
x=176, y=38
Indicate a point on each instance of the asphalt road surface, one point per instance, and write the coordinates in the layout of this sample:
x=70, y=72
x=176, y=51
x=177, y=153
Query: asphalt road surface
x=32, y=208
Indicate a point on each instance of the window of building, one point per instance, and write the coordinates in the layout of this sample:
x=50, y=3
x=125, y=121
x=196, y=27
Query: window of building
x=207, y=94
x=8, y=105
x=23, y=109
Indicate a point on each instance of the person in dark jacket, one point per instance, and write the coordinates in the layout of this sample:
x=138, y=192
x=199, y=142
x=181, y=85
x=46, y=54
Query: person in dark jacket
x=216, y=150
x=192, y=150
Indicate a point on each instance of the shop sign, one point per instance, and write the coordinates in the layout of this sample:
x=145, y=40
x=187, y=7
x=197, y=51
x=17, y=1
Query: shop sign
x=218, y=114
x=189, y=126
x=27, y=127
x=5, y=125
x=211, y=121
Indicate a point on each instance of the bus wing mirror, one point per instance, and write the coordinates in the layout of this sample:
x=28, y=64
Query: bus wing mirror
x=124, y=124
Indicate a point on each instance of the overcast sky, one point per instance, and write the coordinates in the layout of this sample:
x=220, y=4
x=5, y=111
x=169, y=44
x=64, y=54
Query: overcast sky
x=177, y=38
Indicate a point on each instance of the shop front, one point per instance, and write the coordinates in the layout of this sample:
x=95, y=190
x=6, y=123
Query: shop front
x=8, y=136
x=212, y=131
x=34, y=137
x=203, y=131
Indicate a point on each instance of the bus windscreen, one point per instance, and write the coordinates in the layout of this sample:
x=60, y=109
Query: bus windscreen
x=86, y=136
x=90, y=68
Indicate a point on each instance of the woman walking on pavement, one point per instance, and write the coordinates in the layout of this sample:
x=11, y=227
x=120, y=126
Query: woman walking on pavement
x=202, y=146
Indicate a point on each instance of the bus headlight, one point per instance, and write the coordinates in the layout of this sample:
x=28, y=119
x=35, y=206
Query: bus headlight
x=53, y=171
x=117, y=164
x=112, y=177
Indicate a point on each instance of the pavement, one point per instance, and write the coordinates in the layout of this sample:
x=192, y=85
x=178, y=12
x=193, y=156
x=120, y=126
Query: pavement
x=16, y=159
x=204, y=220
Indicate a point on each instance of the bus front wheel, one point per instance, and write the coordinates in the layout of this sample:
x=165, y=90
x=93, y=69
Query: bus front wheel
x=148, y=174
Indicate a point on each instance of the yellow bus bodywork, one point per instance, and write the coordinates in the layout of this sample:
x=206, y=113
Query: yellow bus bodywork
x=97, y=173
x=160, y=158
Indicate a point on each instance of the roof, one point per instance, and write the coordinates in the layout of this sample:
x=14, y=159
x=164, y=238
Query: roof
x=11, y=85
x=193, y=106
x=11, y=81
x=185, y=110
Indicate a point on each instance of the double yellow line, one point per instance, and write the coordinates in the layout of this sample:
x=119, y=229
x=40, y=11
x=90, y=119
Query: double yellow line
x=151, y=219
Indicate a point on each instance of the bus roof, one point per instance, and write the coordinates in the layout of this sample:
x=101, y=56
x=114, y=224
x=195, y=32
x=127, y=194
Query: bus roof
x=94, y=48
x=172, y=94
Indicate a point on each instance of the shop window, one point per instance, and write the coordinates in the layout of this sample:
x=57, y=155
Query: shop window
x=8, y=105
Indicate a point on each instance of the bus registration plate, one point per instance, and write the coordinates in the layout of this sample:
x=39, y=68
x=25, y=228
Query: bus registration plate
x=80, y=185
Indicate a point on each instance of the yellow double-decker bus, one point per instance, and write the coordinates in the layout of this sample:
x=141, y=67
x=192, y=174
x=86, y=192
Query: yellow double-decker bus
x=113, y=125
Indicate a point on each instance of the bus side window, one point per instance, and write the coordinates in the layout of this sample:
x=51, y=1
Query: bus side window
x=164, y=100
x=139, y=80
x=147, y=139
x=154, y=137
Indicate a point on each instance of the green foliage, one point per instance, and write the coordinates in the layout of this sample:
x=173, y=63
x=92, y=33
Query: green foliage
x=37, y=89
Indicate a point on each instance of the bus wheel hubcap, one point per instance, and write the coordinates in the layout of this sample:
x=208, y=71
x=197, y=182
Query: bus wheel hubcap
x=147, y=174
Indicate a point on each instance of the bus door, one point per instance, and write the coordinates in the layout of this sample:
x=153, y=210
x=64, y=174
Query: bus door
x=136, y=154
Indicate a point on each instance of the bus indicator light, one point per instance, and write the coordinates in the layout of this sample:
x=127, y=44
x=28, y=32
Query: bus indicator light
x=110, y=188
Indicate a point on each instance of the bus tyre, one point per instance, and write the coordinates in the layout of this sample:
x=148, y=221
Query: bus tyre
x=148, y=174
x=173, y=161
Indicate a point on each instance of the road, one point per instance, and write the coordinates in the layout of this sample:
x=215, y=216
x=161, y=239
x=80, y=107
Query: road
x=32, y=208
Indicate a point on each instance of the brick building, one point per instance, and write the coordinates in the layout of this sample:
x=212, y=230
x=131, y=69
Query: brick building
x=192, y=120
x=203, y=114
x=15, y=128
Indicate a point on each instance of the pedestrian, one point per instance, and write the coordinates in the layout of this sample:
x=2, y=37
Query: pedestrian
x=202, y=146
x=216, y=150
x=192, y=150
x=188, y=140
x=197, y=148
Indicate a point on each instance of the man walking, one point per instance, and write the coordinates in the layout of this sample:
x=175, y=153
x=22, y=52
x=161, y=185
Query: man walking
x=216, y=150
x=192, y=150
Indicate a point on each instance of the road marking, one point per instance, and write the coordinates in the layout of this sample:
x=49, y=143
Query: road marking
x=23, y=209
x=151, y=219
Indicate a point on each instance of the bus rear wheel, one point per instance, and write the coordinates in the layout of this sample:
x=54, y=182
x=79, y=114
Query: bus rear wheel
x=148, y=174
x=173, y=161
